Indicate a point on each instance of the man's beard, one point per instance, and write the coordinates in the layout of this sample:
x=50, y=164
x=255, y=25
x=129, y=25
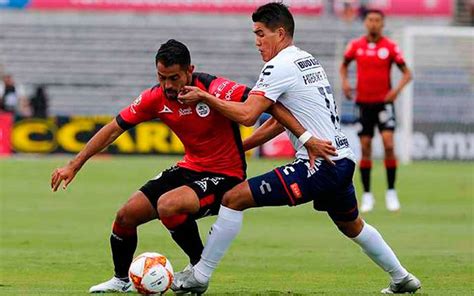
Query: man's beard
x=171, y=94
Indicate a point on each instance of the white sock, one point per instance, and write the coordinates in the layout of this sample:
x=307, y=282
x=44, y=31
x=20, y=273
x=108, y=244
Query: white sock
x=372, y=243
x=223, y=231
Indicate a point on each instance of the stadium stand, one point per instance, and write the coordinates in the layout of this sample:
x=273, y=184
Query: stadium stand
x=106, y=59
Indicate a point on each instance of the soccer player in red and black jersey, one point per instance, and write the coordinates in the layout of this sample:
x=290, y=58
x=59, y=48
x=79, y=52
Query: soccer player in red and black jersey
x=213, y=163
x=374, y=55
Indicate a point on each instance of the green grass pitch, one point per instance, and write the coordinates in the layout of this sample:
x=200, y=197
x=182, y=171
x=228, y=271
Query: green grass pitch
x=57, y=244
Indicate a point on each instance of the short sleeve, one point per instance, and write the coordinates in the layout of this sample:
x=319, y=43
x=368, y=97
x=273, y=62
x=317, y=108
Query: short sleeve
x=349, y=53
x=228, y=90
x=275, y=79
x=139, y=110
x=397, y=55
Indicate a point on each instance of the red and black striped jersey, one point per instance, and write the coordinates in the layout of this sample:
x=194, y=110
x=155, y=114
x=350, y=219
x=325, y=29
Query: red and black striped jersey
x=212, y=142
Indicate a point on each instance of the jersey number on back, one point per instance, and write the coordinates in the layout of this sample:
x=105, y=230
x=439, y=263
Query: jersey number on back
x=326, y=92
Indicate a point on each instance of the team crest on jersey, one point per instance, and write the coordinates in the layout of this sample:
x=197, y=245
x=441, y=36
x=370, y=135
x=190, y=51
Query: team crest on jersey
x=382, y=53
x=202, y=109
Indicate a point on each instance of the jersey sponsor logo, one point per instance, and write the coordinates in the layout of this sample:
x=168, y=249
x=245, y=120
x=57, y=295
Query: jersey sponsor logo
x=382, y=53
x=135, y=103
x=165, y=110
x=185, y=111
x=265, y=71
x=341, y=142
x=371, y=45
x=296, y=190
x=202, y=109
x=314, y=77
x=307, y=63
x=228, y=95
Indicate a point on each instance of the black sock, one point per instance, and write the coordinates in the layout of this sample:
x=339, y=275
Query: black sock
x=391, y=167
x=365, y=174
x=391, y=173
x=187, y=237
x=123, y=247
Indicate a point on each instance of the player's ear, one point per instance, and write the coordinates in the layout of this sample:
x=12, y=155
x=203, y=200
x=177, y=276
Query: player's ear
x=190, y=69
x=281, y=33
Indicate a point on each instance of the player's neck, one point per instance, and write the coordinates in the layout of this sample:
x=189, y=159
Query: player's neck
x=373, y=37
x=284, y=44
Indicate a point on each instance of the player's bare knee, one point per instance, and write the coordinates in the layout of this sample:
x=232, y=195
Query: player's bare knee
x=124, y=219
x=166, y=207
x=350, y=229
x=231, y=200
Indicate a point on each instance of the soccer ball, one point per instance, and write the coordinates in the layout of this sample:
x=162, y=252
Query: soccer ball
x=151, y=273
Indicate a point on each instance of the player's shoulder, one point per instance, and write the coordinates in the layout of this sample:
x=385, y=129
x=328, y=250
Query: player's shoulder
x=359, y=41
x=203, y=80
x=284, y=61
x=389, y=42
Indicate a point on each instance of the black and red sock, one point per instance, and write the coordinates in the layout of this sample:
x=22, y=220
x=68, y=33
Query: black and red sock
x=185, y=233
x=123, y=242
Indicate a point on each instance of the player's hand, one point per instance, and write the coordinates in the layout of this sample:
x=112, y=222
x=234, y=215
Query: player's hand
x=190, y=94
x=319, y=148
x=66, y=174
x=391, y=96
x=346, y=88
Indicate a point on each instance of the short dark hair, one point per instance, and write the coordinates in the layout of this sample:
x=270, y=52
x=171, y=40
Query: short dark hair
x=274, y=15
x=378, y=11
x=173, y=53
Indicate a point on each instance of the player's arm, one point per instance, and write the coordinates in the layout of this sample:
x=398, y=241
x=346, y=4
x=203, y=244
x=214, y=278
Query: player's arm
x=315, y=147
x=406, y=78
x=245, y=113
x=349, y=55
x=264, y=133
x=103, y=138
x=343, y=72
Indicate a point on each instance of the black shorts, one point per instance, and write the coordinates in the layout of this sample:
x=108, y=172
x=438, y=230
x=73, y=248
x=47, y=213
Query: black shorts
x=209, y=187
x=329, y=187
x=370, y=115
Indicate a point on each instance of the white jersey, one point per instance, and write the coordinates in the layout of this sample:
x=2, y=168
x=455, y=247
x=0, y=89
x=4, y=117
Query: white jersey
x=298, y=81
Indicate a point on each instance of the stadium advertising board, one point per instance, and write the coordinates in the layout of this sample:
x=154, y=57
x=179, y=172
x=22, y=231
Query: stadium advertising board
x=70, y=134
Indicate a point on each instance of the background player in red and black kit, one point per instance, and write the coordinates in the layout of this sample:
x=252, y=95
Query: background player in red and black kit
x=213, y=163
x=374, y=55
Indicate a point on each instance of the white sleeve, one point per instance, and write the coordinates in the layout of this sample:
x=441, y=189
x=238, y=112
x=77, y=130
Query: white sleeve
x=274, y=80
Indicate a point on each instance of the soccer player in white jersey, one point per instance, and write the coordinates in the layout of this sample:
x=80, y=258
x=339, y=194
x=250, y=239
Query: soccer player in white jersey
x=296, y=79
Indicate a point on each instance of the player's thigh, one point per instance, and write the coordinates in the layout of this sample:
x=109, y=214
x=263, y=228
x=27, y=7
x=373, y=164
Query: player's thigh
x=366, y=145
x=165, y=181
x=210, y=190
x=285, y=185
x=367, y=120
x=178, y=201
x=239, y=198
x=386, y=118
x=136, y=211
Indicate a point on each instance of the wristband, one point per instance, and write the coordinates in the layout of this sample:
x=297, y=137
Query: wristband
x=304, y=137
